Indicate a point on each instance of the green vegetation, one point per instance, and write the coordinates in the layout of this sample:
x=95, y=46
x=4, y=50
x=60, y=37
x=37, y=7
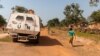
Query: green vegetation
x=2, y=21
x=95, y=17
x=73, y=14
x=53, y=23
x=6, y=39
x=95, y=37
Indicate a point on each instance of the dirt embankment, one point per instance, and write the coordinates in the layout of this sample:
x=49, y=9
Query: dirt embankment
x=3, y=35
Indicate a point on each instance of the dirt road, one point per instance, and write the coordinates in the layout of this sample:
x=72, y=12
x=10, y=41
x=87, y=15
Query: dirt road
x=49, y=46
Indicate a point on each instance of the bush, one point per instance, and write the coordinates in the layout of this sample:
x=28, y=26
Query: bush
x=2, y=21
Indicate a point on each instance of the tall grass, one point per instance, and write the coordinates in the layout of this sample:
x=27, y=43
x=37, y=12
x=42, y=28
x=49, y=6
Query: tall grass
x=95, y=37
x=6, y=39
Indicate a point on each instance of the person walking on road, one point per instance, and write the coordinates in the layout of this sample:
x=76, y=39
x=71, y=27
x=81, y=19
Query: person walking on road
x=71, y=34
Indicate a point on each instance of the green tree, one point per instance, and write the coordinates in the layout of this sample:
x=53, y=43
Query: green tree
x=2, y=21
x=54, y=22
x=19, y=9
x=95, y=16
x=73, y=14
x=63, y=23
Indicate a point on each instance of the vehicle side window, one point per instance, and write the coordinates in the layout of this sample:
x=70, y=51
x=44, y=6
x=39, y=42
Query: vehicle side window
x=20, y=18
x=29, y=19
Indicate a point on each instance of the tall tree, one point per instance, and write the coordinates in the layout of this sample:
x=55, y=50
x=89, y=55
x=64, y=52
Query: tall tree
x=73, y=14
x=54, y=22
x=63, y=23
x=95, y=16
x=2, y=21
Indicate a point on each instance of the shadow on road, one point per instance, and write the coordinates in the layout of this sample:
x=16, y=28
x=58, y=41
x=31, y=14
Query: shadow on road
x=78, y=45
x=44, y=41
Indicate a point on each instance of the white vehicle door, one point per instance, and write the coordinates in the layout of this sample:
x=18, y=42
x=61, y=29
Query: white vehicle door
x=30, y=22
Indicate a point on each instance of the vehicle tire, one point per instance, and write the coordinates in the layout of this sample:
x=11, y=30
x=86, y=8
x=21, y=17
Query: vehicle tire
x=15, y=39
x=38, y=37
x=35, y=41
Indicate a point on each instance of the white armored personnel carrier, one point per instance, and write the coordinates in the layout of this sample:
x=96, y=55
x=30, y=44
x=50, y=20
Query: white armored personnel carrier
x=24, y=26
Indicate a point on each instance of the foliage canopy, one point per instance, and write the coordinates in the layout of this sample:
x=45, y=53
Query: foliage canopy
x=2, y=21
x=95, y=16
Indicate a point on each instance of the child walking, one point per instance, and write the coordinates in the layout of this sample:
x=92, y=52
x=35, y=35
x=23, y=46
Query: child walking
x=71, y=34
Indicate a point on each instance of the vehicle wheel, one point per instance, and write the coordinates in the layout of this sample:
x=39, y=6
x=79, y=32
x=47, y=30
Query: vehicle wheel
x=35, y=41
x=38, y=37
x=15, y=39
